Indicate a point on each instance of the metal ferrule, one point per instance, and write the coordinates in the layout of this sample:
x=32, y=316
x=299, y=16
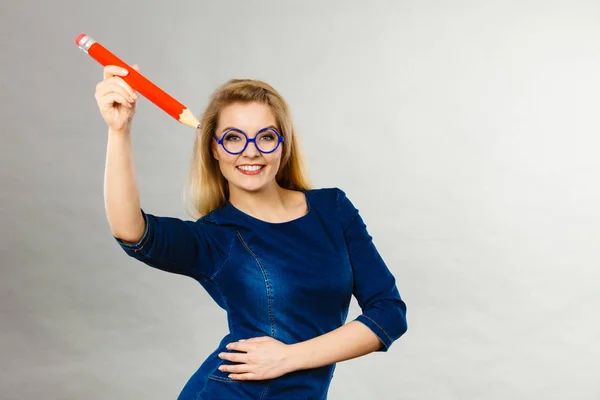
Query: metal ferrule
x=85, y=43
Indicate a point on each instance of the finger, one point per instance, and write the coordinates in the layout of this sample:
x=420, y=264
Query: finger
x=111, y=98
x=239, y=346
x=120, y=82
x=258, y=339
x=235, y=357
x=136, y=67
x=244, y=377
x=113, y=70
x=238, y=369
x=110, y=87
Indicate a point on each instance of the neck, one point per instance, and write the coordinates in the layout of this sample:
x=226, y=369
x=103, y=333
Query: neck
x=269, y=198
x=267, y=202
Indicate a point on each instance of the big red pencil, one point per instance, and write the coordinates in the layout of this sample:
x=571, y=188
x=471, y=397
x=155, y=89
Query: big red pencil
x=138, y=82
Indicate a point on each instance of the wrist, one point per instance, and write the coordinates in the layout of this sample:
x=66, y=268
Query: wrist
x=296, y=357
x=124, y=131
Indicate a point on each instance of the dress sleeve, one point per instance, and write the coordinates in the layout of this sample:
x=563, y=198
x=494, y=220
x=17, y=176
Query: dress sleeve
x=195, y=249
x=383, y=310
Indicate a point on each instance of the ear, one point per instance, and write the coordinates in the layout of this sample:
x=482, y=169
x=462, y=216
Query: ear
x=215, y=151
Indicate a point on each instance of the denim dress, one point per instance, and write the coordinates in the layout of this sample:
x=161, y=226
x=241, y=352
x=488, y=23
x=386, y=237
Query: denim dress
x=292, y=281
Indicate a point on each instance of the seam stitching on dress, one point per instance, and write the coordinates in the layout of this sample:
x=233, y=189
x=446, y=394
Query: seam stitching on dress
x=267, y=282
x=339, y=194
x=141, y=246
x=218, y=378
x=264, y=392
x=213, y=276
x=383, y=330
x=146, y=233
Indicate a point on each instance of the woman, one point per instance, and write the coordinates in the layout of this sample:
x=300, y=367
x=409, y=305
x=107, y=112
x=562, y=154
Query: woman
x=282, y=259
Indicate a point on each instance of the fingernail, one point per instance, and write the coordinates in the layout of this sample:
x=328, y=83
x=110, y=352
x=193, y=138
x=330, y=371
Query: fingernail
x=134, y=95
x=123, y=70
x=242, y=340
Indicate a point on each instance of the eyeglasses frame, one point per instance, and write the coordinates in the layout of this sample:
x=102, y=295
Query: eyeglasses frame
x=280, y=140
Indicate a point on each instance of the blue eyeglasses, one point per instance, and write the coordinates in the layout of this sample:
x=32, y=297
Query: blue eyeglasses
x=235, y=141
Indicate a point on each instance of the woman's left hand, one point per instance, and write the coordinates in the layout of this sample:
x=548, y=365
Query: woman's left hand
x=260, y=358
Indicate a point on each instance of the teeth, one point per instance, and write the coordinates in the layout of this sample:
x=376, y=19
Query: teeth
x=250, y=168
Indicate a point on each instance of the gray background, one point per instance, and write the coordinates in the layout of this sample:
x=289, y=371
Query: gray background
x=466, y=132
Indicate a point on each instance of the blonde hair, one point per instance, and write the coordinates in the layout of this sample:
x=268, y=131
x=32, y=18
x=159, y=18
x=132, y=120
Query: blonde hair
x=206, y=188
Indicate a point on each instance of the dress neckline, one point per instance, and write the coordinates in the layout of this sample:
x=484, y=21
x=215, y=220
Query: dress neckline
x=249, y=217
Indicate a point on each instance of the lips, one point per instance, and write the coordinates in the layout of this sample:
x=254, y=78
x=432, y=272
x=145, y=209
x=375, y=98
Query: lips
x=250, y=169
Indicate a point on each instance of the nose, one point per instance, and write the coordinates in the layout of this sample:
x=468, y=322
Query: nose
x=251, y=150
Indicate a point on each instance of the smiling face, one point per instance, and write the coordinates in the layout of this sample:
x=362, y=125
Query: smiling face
x=250, y=170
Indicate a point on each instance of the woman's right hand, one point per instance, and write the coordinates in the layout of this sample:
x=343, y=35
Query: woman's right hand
x=116, y=99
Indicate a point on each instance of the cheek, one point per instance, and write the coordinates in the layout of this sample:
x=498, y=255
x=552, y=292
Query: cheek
x=226, y=158
x=226, y=162
x=273, y=159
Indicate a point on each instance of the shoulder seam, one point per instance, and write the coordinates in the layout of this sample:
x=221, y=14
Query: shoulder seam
x=233, y=236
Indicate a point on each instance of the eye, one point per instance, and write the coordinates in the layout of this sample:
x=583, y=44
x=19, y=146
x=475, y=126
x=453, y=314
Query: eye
x=232, y=137
x=267, y=137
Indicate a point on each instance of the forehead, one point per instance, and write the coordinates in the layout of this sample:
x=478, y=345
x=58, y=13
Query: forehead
x=246, y=116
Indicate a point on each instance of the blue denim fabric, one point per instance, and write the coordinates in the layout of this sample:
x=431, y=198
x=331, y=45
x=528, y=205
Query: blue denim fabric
x=292, y=281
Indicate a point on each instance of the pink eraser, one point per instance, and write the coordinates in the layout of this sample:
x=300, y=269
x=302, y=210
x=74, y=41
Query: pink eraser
x=79, y=37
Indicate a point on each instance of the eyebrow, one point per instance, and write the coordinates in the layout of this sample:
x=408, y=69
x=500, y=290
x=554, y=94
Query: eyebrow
x=230, y=127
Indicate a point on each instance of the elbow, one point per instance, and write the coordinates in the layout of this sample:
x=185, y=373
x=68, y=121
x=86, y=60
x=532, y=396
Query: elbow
x=133, y=243
x=397, y=323
x=402, y=323
x=132, y=239
x=387, y=319
x=129, y=231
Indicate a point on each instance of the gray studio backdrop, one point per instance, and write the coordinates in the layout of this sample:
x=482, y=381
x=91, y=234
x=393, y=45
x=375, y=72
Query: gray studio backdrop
x=466, y=132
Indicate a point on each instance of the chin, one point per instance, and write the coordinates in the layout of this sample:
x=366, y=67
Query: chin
x=250, y=183
x=249, y=187
x=253, y=184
